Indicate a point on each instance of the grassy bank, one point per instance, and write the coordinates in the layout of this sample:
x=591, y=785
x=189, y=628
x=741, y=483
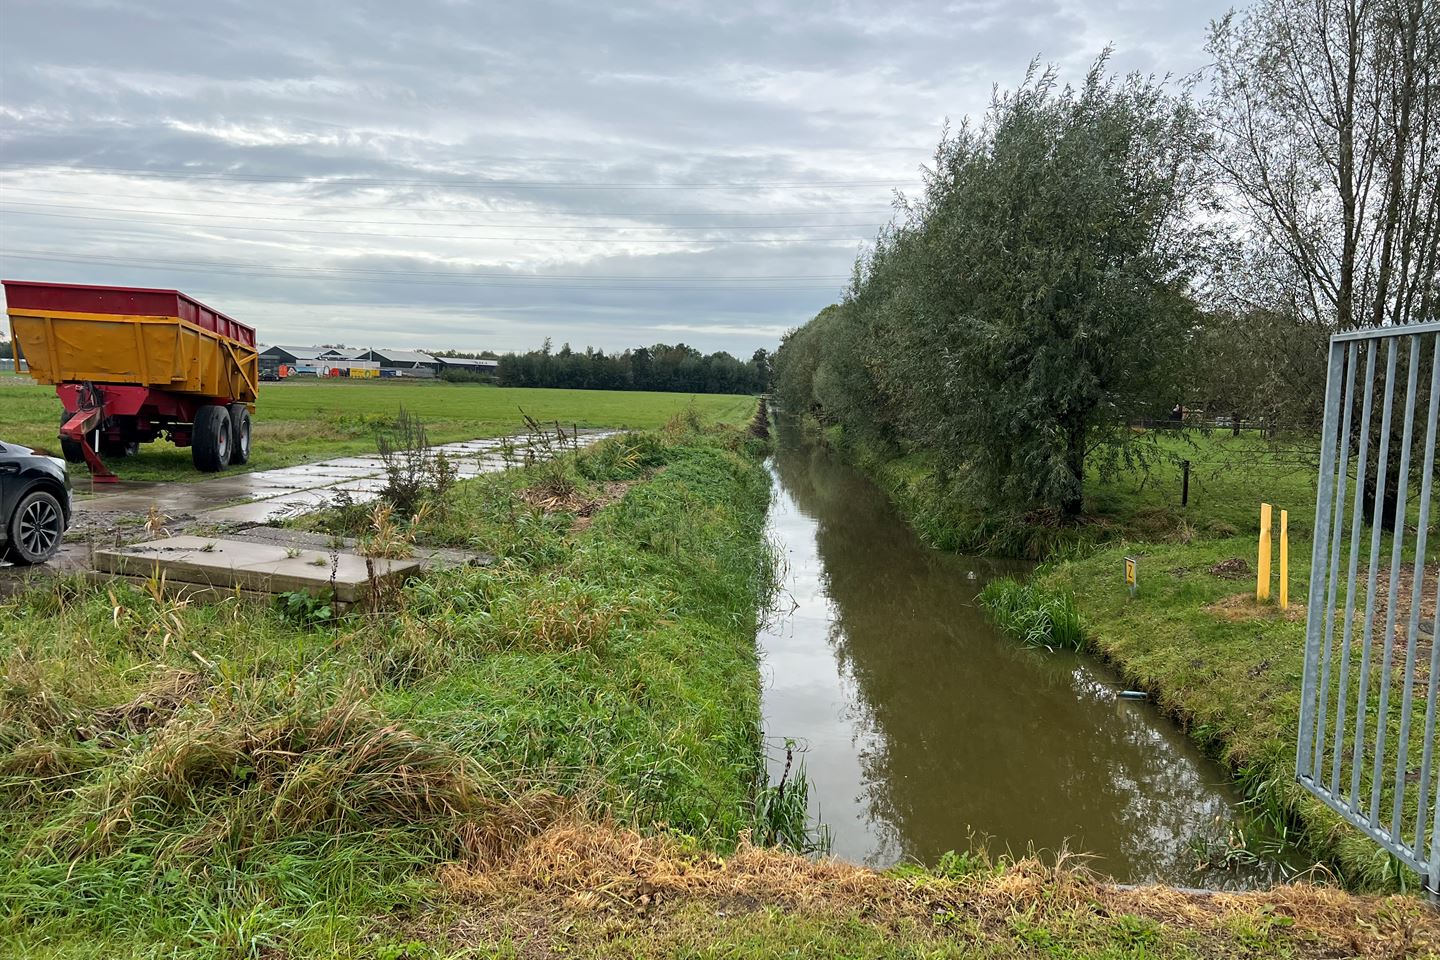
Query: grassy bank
x=303, y=420
x=553, y=755
x=231, y=779
x=1229, y=670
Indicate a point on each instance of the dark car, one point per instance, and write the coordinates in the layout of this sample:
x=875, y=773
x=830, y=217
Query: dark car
x=34, y=504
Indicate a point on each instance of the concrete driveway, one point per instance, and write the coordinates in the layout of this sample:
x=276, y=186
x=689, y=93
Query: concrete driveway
x=116, y=514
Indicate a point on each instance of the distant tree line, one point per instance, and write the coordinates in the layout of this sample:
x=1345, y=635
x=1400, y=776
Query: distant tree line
x=678, y=368
x=1086, y=258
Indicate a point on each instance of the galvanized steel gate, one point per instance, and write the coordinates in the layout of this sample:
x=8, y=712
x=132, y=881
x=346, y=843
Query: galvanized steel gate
x=1372, y=661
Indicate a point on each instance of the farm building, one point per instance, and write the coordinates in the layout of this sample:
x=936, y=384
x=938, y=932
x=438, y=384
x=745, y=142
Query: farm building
x=301, y=356
x=405, y=362
x=481, y=365
x=282, y=361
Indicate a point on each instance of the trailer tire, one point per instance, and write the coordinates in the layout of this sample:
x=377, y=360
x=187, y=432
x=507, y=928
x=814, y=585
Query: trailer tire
x=211, y=441
x=240, y=433
x=70, y=448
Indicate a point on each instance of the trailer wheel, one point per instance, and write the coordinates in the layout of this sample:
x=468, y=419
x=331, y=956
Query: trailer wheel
x=70, y=448
x=240, y=430
x=210, y=443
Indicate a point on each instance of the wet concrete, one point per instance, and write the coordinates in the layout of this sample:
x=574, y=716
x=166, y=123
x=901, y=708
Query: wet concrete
x=116, y=515
x=253, y=566
x=269, y=495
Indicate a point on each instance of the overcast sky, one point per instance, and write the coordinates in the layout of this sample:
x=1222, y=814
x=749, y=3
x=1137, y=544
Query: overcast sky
x=484, y=175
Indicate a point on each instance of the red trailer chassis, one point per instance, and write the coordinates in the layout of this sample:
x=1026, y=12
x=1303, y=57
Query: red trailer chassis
x=112, y=417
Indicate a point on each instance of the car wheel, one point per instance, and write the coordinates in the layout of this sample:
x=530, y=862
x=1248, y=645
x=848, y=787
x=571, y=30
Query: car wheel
x=36, y=528
x=240, y=430
x=210, y=441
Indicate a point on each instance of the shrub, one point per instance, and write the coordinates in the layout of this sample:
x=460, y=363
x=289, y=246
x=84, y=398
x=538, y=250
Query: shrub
x=1036, y=617
x=414, y=473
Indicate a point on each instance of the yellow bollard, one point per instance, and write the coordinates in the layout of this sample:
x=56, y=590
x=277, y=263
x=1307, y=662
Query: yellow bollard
x=1284, y=560
x=1262, y=572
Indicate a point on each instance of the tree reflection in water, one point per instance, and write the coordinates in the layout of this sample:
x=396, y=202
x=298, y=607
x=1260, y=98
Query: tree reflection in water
x=924, y=727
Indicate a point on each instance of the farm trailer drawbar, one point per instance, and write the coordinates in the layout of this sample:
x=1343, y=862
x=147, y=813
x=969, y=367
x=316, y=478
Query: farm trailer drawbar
x=131, y=363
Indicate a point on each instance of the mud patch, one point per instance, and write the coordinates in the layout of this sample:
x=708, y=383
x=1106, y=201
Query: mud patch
x=1236, y=568
x=1243, y=606
x=582, y=506
x=166, y=693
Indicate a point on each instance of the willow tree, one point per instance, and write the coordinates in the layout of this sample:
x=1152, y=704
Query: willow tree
x=1059, y=236
x=1032, y=303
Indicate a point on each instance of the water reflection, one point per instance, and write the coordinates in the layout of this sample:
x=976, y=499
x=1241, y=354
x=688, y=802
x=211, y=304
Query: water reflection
x=922, y=727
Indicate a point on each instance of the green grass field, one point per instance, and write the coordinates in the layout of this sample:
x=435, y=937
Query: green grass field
x=309, y=420
x=1229, y=477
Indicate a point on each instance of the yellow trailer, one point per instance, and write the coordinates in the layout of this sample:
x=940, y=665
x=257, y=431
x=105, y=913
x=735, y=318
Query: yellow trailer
x=130, y=364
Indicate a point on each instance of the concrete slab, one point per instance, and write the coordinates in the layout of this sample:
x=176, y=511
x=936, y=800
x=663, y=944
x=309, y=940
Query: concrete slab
x=308, y=475
x=261, y=567
x=261, y=511
x=270, y=495
x=273, y=490
x=359, y=485
x=376, y=466
x=427, y=556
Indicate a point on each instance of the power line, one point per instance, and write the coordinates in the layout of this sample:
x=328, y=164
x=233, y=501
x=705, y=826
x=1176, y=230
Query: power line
x=544, y=226
x=466, y=181
x=421, y=278
x=639, y=214
x=699, y=241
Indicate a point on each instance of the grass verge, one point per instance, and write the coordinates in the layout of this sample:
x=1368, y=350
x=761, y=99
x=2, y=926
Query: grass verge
x=579, y=890
x=239, y=779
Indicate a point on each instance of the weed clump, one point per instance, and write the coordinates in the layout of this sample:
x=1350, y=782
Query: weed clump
x=622, y=457
x=760, y=424
x=782, y=812
x=250, y=766
x=1033, y=615
x=414, y=473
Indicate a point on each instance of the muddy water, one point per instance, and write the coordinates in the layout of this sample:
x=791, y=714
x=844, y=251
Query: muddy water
x=924, y=731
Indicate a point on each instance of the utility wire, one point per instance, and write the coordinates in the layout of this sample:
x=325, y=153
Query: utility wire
x=697, y=241
x=316, y=202
x=542, y=226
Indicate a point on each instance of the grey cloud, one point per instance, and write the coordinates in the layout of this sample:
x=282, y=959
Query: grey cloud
x=398, y=113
